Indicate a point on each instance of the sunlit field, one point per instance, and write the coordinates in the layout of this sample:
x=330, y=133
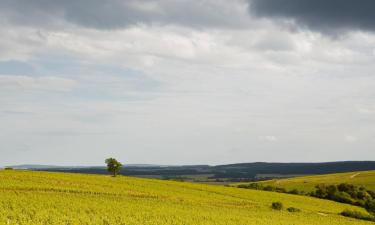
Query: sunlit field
x=59, y=198
x=307, y=184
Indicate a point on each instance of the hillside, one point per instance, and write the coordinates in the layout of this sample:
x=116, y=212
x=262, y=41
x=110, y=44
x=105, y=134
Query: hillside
x=28, y=197
x=307, y=183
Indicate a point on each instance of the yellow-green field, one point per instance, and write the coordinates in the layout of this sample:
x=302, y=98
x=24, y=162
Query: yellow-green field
x=308, y=183
x=33, y=198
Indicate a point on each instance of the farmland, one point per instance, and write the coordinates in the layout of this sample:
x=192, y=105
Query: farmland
x=307, y=183
x=37, y=198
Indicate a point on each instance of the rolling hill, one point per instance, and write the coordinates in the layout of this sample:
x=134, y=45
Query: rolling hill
x=30, y=197
x=307, y=183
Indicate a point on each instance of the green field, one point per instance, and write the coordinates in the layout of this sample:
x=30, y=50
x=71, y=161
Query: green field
x=34, y=198
x=307, y=184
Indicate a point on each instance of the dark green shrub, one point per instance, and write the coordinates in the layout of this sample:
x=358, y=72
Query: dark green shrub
x=8, y=168
x=281, y=190
x=370, y=206
x=331, y=190
x=294, y=192
x=269, y=188
x=320, y=192
x=277, y=205
x=371, y=193
x=357, y=215
x=342, y=197
x=344, y=187
x=255, y=186
x=251, y=186
x=360, y=203
x=178, y=179
x=363, y=195
x=292, y=209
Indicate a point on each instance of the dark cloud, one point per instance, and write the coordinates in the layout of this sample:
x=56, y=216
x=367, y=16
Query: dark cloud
x=321, y=15
x=112, y=14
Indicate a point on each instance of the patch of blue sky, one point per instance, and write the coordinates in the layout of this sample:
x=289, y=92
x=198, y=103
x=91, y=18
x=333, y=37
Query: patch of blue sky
x=13, y=67
x=94, y=81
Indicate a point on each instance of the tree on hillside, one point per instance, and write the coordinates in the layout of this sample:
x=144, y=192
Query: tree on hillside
x=113, y=166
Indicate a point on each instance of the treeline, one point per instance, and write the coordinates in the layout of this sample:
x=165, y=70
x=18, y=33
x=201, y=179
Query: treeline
x=347, y=193
x=344, y=193
x=257, y=186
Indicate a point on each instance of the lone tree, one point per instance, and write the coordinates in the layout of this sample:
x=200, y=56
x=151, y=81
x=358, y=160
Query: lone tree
x=113, y=166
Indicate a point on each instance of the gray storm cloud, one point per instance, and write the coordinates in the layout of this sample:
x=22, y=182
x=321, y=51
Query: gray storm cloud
x=117, y=14
x=321, y=15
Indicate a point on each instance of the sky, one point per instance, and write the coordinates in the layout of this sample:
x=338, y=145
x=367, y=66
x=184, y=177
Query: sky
x=186, y=82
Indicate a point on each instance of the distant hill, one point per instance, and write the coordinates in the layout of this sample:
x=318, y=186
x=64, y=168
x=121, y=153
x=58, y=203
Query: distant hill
x=33, y=166
x=230, y=172
x=252, y=169
x=37, y=166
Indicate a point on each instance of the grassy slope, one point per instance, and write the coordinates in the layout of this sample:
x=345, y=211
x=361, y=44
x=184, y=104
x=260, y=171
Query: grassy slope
x=59, y=198
x=365, y=178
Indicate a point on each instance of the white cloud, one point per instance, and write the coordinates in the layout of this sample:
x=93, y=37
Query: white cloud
x=351, y=138
x=269, y=138
x=48, y=83
x=19, y=43
x=181, y=93
x=366, y=110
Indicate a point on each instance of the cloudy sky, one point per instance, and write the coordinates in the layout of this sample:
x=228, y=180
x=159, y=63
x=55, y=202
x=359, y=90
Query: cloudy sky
x=186, y=82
